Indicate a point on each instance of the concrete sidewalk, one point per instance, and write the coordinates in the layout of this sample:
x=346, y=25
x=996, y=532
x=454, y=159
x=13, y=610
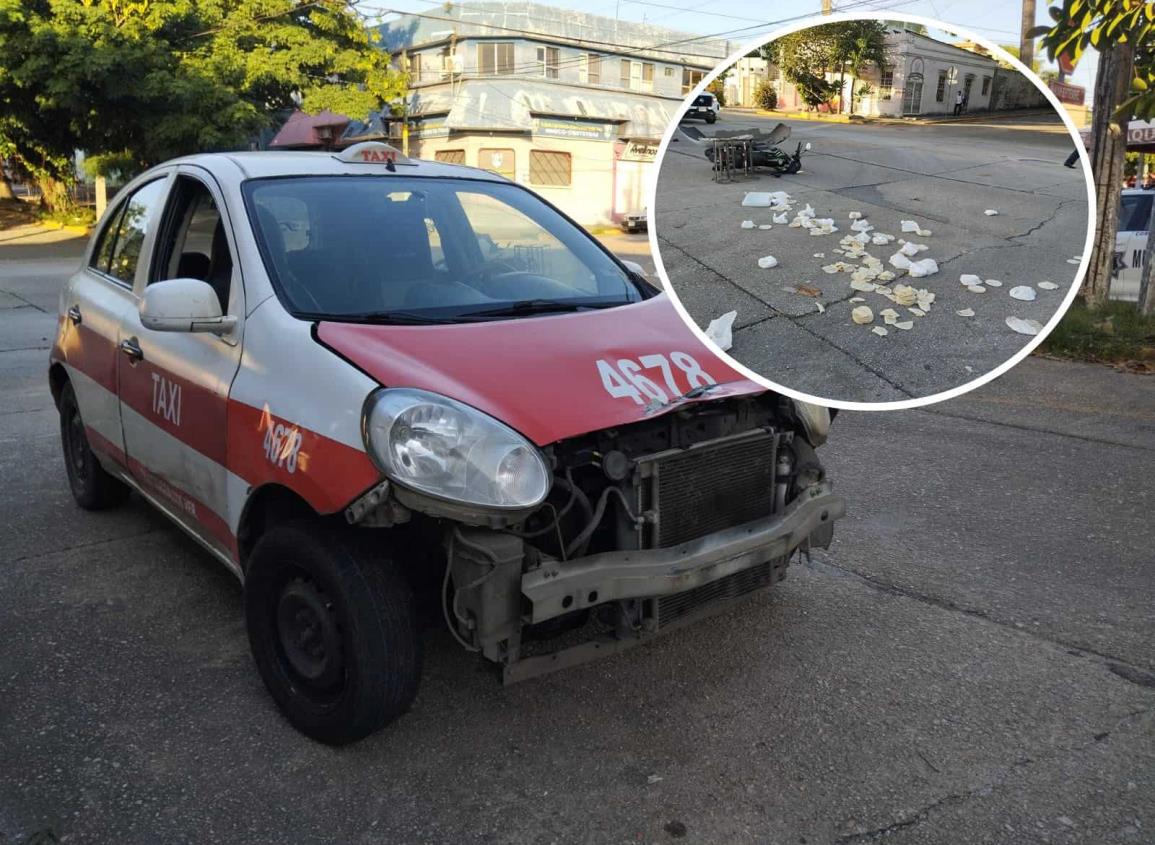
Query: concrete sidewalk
x=944, y=177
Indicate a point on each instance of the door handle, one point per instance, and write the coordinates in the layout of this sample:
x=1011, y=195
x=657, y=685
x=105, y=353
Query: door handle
x=74, y=315
x=132, y=349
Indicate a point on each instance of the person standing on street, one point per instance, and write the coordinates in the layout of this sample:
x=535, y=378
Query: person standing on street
x=958, y=103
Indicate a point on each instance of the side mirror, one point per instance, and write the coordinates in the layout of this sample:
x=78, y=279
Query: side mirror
x=183, y=305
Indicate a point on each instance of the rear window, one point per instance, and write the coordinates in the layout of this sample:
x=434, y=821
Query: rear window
x=1135, y=212
x=361, y=247
x=703, y=100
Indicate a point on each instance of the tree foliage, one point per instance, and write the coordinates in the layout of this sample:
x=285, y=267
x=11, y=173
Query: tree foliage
x=807, y=57
x=1099, y=24
x=142, y=81
x=765, y=96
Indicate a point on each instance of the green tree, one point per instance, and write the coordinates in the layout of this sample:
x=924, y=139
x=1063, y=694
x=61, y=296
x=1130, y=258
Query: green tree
x=1123, y=32
x=805, y=58
x=809, y=56
x=858, y=45
x=141, y=81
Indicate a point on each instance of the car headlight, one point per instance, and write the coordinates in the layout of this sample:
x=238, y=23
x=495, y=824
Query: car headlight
x=815, y=421
x=439, y=446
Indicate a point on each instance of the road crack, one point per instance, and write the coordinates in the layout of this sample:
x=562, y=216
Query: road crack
x=1123, y=668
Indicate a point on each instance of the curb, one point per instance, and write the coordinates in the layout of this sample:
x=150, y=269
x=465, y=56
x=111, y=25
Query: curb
x=930, y=120
x=79, y=230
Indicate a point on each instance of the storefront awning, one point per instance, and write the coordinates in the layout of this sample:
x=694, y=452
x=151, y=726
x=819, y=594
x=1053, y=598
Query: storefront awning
x=496, y=105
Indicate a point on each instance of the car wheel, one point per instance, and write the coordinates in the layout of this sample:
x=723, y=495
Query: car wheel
x=333, y=630
x=92, y=487
x=710, y=118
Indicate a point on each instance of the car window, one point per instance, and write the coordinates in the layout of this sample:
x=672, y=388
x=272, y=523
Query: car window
x=510, y=241
x=102, y=255
x=138, y=214
x=702, y=100
x=1135, y=212
x=193, y=243
x=442, y=248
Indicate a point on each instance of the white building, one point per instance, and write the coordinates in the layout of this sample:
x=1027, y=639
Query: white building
x=922, y=76
x=743, y=79
x=568, y=103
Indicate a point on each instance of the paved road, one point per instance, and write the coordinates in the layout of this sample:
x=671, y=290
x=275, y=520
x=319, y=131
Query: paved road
x=972, y=661
x=944, y=177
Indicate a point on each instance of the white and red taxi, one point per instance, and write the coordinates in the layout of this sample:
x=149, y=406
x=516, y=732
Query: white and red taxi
x=384, y=391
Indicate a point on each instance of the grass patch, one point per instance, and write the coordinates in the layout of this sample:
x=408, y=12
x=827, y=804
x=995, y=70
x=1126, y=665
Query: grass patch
x=1116, y=333
x=80, y=216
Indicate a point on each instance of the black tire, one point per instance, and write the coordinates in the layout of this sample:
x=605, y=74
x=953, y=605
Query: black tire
x=92, y=487
x=710, y=118
x=794, y=166
x=333, y=629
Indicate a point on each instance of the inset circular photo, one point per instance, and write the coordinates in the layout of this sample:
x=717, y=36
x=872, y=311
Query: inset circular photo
x=887, y=212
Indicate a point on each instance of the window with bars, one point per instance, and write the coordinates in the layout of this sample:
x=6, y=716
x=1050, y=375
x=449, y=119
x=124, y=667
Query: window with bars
x=450, y=156
x=415, y=67
x=940, y=91
x=495, y=59
x=986, y=85
x=547, y=167
x=886, y=83
x=548, y=59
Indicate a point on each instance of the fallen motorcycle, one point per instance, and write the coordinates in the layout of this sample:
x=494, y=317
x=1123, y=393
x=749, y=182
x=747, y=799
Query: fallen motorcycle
x=761, y=148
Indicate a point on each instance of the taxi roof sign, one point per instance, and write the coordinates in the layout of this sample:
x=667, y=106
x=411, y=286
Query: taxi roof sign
x=372, y=152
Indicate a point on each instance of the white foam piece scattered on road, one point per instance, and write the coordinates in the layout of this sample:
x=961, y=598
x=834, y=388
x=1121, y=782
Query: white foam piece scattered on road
x=747, y=224
x=909, y=226
x=1047, y=286
x=721, y=330
x=991, y=212
x=1018, y=324
x=926, y=267
x=969, y=279
x=1024, y=292
x=767, y=261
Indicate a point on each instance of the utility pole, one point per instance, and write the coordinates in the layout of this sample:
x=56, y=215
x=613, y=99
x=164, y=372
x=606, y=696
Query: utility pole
x=1026, y=43
x=827, y=7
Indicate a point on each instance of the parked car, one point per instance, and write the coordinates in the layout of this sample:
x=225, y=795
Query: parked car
x=636, y=221
x=383, y=391
x=704, y=107
x=1131, y=242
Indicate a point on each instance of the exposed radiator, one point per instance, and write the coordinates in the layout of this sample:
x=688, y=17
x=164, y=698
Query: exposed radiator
x=703, y=489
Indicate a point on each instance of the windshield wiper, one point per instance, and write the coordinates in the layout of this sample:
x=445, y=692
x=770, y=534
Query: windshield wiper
x=526, y=307
x=396, y=318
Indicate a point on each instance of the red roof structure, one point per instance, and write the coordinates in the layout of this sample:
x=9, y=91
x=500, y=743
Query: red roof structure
x=310, y=131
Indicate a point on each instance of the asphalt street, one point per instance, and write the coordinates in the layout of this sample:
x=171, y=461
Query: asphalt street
x=972, y=661
x=942, y=176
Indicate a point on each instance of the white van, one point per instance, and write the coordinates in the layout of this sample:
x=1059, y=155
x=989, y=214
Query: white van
x=1131, y=242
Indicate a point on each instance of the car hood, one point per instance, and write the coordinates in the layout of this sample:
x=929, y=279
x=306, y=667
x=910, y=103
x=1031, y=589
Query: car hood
x=540, y=375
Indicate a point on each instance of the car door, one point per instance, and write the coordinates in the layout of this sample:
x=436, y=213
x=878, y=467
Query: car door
x=95, y=303
x=174, y=386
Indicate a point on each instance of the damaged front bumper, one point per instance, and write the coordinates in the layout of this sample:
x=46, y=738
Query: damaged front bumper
x=558, y=587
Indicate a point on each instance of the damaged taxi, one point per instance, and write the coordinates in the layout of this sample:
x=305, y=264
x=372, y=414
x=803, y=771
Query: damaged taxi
x=389, y=393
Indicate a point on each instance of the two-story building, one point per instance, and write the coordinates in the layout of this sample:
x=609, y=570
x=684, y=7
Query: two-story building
x=571, y=104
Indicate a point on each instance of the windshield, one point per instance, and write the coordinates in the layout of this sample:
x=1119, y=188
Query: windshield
x=426, y=250
x=703, y=100
x=1135, y=212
